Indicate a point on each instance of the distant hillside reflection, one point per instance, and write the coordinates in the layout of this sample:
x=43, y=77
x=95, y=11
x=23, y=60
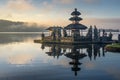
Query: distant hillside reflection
x=75, y=53
x=21, y=37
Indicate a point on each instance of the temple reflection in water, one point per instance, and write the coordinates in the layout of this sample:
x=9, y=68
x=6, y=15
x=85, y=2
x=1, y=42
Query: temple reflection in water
x=75, y=53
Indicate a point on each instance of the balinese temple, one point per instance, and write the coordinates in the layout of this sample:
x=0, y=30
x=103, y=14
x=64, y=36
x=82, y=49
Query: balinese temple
x=76, y=28
x=73, y=33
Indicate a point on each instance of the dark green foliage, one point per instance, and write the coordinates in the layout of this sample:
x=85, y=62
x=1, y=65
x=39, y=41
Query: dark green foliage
x=10, y=26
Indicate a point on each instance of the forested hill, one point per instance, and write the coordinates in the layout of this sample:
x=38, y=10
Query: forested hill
x=10, y=26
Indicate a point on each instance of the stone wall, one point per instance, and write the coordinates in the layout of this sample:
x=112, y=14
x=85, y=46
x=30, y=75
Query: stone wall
x=67, y=39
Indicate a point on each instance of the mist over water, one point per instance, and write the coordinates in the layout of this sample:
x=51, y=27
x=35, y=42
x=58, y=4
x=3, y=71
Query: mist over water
x=22, y=59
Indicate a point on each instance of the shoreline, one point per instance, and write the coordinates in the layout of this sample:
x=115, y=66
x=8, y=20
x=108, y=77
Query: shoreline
x=113, y=47
x=73, y=43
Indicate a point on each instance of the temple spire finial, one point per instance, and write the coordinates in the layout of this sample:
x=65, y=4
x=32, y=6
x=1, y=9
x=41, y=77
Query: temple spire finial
x=75, y=9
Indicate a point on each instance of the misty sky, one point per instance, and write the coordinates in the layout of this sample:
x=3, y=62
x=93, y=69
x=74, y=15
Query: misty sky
x=103, y=13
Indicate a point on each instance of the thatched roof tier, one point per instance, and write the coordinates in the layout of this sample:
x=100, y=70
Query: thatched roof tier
x=76, y=26
x=53, y=28
x=75, y=19
x=75, y=12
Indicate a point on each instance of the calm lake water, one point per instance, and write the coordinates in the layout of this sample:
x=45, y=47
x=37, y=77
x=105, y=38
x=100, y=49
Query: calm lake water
x=22, y=59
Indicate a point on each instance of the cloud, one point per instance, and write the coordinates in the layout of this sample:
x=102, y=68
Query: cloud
x=21, y=5
x=64, y=1
x=47, y=7
x=113, y=23
x=114, y=72
x=89, y=65
x=91, y=1
x=75, y=1
x=20, y=59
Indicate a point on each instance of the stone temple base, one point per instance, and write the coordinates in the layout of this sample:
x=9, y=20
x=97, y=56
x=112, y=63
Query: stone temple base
x=73, y=42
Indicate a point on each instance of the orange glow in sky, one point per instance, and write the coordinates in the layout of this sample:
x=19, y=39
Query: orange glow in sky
x=57, y=12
